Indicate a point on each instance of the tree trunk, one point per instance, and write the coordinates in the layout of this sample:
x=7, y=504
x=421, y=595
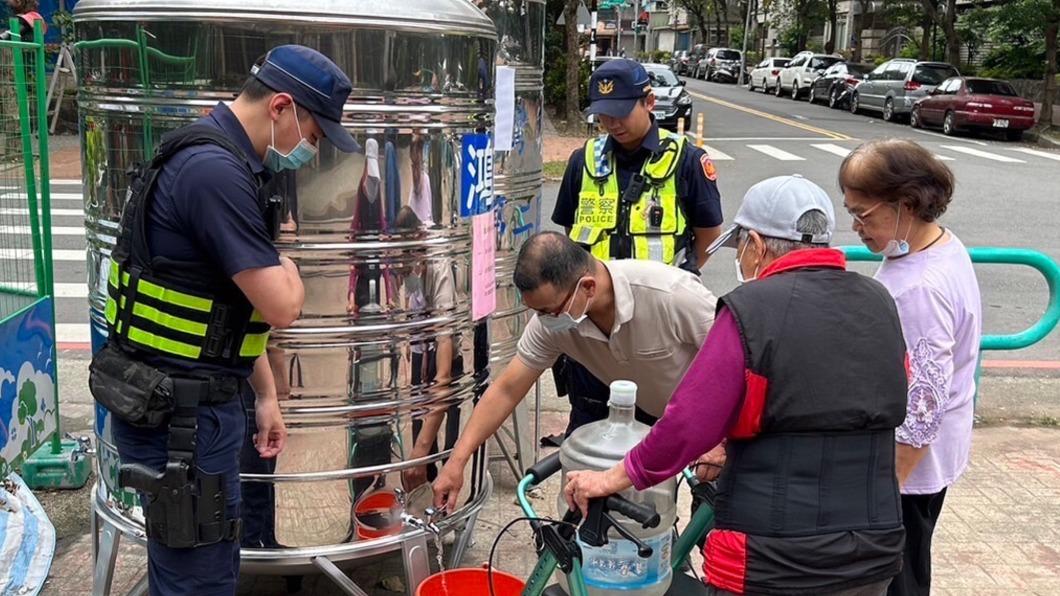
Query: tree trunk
x=1045, y=119
x=925, y=38
x=717, y=23
x=570, y=16
x=953, y=38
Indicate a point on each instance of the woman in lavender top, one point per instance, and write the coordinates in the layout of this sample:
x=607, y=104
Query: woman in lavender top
x=895, y=191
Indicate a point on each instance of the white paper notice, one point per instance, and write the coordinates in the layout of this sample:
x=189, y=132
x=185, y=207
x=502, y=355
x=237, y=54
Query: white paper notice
x=505, y=102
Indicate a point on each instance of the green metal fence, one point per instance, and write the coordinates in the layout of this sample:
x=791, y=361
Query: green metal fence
x=27, y=379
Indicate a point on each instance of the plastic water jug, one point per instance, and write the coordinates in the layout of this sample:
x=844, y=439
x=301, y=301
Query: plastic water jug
x=615, y=568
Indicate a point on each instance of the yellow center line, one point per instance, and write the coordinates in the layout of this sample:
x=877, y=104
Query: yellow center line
x=821, y=131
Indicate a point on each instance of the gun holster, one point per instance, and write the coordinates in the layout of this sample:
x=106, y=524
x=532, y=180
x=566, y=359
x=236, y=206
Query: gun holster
x=185, y=507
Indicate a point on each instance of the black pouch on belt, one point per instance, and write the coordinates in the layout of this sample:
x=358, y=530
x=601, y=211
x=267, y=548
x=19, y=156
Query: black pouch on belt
x=137, y=393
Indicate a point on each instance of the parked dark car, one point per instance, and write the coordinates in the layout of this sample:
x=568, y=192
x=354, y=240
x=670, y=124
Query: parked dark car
x=835, y=85
x=679, y=62
x=672, y=101
x=965, y=103
x=897, y=84
x=695, y=55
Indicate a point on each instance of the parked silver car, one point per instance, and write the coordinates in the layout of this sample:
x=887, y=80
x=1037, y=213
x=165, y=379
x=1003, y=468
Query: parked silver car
x=897, y=84
x=765, y=73
x=797, y=76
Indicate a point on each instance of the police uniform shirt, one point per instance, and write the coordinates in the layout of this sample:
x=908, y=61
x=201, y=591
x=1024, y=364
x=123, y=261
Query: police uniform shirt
x=696, y=187
x=205, y=210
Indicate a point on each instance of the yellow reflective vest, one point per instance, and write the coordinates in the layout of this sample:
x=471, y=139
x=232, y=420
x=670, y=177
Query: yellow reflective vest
x=650, y=226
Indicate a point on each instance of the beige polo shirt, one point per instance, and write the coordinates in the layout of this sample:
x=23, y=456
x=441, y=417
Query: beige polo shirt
x=663, y=316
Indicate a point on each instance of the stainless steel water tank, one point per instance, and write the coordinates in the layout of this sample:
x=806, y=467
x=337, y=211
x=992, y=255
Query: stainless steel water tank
x=378, y=238
x=518, y=172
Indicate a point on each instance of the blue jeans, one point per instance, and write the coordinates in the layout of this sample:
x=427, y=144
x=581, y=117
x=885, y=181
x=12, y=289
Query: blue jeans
x=206, y=570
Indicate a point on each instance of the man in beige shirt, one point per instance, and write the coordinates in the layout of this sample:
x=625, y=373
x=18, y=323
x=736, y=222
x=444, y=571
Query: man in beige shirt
x=635, y=320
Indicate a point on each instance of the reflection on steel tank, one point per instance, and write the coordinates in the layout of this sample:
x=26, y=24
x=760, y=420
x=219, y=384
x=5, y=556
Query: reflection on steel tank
x=376, y=378
x=517, y=173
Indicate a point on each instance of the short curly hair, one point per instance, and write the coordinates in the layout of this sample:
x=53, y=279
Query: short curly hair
x=899, y=171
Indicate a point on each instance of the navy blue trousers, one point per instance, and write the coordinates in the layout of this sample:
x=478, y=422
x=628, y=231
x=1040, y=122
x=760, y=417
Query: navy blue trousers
x=207, y=570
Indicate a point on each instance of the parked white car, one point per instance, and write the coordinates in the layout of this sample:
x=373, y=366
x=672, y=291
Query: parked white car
x=766, y=73
x=801, y=71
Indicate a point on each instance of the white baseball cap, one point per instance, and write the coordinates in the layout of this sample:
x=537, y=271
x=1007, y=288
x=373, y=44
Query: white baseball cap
x=773, y=208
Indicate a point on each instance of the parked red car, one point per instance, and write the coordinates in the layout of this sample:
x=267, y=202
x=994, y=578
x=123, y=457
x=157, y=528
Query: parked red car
x=964, y=103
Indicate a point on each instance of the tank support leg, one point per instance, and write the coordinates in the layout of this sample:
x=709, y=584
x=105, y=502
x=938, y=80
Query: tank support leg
x=105, y=540
x=336, y=575
x=463, y=540
x=417, y=561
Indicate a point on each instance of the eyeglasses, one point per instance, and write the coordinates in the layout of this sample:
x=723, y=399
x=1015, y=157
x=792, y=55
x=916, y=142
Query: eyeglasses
x=566, y=301
x=862, y=217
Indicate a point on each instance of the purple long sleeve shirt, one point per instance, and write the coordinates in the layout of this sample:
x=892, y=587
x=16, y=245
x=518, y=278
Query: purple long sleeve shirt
x=703, y=408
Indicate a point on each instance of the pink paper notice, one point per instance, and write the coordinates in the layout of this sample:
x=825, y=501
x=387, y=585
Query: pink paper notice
x=483, y=265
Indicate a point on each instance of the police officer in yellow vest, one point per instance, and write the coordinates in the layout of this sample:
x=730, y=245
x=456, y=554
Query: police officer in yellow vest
x=638, y=192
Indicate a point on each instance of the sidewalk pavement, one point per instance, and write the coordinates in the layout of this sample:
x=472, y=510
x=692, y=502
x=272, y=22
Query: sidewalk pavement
x=999, y=532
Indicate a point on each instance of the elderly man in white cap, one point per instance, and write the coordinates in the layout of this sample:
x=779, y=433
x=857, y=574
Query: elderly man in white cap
x=803, y=375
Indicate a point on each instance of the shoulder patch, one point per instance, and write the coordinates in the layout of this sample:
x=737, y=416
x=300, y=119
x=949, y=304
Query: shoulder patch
x=709, y=171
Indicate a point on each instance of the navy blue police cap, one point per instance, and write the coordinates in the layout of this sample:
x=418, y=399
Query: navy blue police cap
x=616, y=86
x=315, y=83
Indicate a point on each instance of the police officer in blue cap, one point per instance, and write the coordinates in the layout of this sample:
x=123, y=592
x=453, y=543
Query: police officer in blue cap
x=637, y=192
x=195, y=285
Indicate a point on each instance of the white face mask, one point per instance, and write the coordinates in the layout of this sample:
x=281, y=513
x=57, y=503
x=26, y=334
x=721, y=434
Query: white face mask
x=739, y=270
x=895, y=247
x=564, y=321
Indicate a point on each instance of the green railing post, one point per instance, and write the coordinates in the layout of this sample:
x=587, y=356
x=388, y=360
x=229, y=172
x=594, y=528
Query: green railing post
x=1003, y=256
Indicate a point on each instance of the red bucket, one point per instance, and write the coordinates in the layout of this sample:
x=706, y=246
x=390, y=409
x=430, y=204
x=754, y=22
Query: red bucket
x=470, y=582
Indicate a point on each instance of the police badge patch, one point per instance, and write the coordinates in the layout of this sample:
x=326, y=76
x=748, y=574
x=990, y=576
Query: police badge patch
x=709, y=171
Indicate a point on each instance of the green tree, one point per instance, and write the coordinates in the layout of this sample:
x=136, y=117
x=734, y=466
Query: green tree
x=795, y=19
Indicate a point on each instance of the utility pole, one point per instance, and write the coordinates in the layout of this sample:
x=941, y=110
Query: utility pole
x=746, y=34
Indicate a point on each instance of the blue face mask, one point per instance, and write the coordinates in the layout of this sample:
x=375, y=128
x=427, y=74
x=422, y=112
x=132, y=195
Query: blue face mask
x=303, y=153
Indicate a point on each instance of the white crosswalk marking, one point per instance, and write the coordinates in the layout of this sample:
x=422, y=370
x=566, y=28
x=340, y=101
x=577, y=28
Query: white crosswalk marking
x=56, y=230
x=55, y=196
x=717, y=154
x=775, y=153
x=62, y=290
x=66, y=182
x=983, y=154
x=55, y=212
x=833, y=149
x=1046, y=155
x=58, y=254
x=72, y=333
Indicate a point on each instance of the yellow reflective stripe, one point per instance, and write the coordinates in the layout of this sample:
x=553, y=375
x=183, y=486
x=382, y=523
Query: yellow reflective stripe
x=257, y=317
x=602, y=250
x=112, y=279
x=253, y=345
x=111, y=312
x=169, y=321
x=174, y=297
x=163, y=344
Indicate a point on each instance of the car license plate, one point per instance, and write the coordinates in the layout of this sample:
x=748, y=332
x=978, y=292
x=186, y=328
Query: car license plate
x=1000, y=123
x=659, y=115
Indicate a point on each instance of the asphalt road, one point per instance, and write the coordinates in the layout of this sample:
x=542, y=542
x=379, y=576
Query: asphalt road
x=1008, y=194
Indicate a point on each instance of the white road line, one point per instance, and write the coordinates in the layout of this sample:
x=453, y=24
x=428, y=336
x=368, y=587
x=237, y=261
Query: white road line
x=55, y=212
x=67, y=182
x=1053, y=156
x=832, y=148
x=775, y=153
x=983, y=154
x=55, y=196
x=56, y=230
x=58, y=254
x=73, y=333
x=716, y=154
x=942, y=157
x=62, y=290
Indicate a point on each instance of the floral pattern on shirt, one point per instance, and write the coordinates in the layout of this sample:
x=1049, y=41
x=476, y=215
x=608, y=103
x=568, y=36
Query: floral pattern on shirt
x=928, y=390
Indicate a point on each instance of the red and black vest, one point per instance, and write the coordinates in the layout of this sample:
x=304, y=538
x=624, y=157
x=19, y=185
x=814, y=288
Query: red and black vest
x=808, y=501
